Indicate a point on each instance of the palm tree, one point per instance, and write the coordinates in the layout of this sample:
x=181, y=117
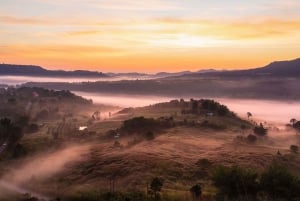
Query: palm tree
x=249, y=114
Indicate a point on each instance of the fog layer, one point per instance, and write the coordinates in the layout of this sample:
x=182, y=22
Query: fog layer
x=40, y=167
x=17, y=80
x=277, y=112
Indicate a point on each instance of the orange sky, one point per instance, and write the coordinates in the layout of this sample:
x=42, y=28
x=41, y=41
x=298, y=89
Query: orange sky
x=148, y=36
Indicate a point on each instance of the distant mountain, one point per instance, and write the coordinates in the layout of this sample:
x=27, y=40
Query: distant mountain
x=167, y=74
x=30, y=70
x=278, y=69
x=207, y=71
x=157, y=75
x=131, y=75
x=287, y=68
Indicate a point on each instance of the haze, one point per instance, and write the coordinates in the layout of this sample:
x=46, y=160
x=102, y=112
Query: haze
x=262, y=110
x=18, y=80
x=149, y=100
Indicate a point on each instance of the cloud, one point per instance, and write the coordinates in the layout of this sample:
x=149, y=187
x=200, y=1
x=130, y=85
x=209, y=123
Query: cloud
x=24, y=20
x=126, y=5
x=267, y=28
x=67, y=49
x=141, y=5
x=83, y=32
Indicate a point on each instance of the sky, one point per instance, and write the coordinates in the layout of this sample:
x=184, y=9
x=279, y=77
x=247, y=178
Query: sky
x=148, y=35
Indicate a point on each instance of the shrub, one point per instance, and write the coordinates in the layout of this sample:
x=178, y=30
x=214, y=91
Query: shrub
x=43, y=114
x=19, y=151
x=32, y=128
x=142, y=125
x=204, y=162
x=223, y=110
x=156, y=186
x=234, y=181
x=214, y=106
x=278, y=182
x=117, y=144
x=251, y=138
x=260, y=130
x=196, y=191
x=294, y=148
x=275, y=183
x=149, y=135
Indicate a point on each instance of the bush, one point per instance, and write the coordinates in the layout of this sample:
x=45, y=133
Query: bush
x=43, y=114
x=196, y=191
x=149, y=135
x=294, y=148
x=204, y=162
x=275, y=183
x=32, y=128
x=278, y=182
x=156, y=186
x=297, y=125
x=19, y=151
x=142, y=125
x=234, y=181
x=106, y=196
x=214, y=106
x=117, y=144
x=251, y=138
x=260, y=130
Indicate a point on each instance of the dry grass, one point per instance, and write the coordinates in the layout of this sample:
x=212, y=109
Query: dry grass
x=172, y=155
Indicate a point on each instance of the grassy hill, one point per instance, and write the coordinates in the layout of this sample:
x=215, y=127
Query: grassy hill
x=114, y=157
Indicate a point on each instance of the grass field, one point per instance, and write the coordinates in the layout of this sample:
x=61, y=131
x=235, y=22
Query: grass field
x=183, y=155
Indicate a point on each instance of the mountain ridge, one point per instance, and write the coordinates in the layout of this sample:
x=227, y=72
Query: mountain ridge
x=33, y=70
x=276, y=68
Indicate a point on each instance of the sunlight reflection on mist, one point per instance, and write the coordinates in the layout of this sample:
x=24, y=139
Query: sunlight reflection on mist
x=279, y=112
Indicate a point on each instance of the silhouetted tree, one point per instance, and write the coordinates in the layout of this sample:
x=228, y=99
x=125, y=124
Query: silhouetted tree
x=156, y=186
x=279, y=183
x=249, y=114
x=294, y=148
x=196, y=192
x=195, y=104
x=233, y=182
x=293, y=121
x=260, y=130
x=223, y=110
x=10, y=131
x=251, y=138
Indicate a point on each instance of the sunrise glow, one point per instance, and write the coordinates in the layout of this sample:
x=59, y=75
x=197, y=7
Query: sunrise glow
x=148, y=36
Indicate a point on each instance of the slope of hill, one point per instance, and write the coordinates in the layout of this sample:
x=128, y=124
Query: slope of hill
x=289, y=68
x=276, y=69
x=30, y=70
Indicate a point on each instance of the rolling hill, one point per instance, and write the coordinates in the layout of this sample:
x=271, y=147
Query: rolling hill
x=30, y=70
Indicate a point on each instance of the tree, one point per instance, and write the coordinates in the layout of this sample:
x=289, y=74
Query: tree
x=293, y=121
x=249, y=114
x=294, y=148
x=233, y=182
x=196, y=192
x=279, y=183
x=251, y=138
x=9, y=131
x=260, y=130
x=156, y=186
x=223, y=110
x=195, y=104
